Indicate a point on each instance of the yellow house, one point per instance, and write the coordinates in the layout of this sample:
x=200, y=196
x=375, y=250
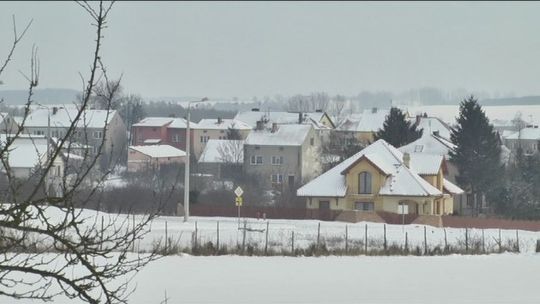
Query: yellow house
x=381, y=178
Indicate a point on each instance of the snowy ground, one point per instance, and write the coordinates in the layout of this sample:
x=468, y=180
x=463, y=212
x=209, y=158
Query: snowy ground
x=505, y=278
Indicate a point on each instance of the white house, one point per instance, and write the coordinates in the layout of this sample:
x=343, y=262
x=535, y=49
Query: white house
x=151, y=157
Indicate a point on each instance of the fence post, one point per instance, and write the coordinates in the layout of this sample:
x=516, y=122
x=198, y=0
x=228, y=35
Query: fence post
x=445, y=241
x=466, y=240
x=166, y=238
x=318, y=235
x=217, y=237
x=385, y=245
x=266, y=242
x=292, y=242
x=483, y=242
x=244, y=236
x=196, y=235
x=346, y=238
x=425, y=241
x=517, y=240
x=500, y=241
x=406, y=242
x=365, y=240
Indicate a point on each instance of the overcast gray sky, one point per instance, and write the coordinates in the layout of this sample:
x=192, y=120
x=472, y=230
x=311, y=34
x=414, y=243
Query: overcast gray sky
x=247, y=49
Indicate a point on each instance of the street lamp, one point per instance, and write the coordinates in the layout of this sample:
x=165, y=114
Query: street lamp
x=186, y=176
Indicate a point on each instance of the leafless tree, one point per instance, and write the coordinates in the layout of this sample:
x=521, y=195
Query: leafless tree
x=49, y=244
x=309, y=103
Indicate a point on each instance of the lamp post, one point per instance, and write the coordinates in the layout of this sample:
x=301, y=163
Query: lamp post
x=186, y=176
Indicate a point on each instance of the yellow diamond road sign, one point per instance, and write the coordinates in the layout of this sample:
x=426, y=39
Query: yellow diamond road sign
x=238, y=191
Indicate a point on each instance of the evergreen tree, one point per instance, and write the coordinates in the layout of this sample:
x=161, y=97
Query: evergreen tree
x=477, y=155
x=397, y=130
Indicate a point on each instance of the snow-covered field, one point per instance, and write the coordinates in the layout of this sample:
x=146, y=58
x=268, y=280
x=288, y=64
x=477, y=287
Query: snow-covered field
x=505, y=278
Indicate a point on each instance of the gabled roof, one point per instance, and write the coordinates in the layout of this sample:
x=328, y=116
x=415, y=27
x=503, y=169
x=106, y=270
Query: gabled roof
x=25, y=151
x=433, y=124
x=428, y=144
x=280, y=117
x=154, y=122
x=400, y=180
x=225, y=124
x=285, y=135
x=169, y=122
x=64, y=116
x=405, y=182
x=223, y=151
x=157, y=151
x=371, y=120
x=426, y=164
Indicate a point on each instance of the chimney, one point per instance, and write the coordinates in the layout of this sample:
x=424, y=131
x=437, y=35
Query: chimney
x=300, y=118
x=54, y=110
x=407, y=159
x=374, y=110
x=219, y=120
x=259, y=125
x=274, y=127
x=255, y=110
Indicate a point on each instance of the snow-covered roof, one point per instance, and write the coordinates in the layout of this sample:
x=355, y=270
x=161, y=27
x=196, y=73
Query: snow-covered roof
x=451, y=188
x=425, y=164
x=154, y=122
x=170, y=122
x=526, y=133
x=157, y=151
x=405, y=182
x=400, y=180
x=429, y=144
x=433, y=124
x=285, y=135
x=279, y=117
x=25, y=151
x=222, y=124
x=64, y=116
x=371, y=120
x=223, y=151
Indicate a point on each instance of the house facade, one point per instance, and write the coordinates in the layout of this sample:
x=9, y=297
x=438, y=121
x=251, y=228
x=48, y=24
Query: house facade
x=152, y=157
x=97, y=129
x=528, y=139
x=381, y=178
x=161, y=130
x=208, y=129
x=284, y=157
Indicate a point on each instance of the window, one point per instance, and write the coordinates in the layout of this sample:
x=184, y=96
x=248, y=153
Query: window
x=39, y=132
x=175, y=138
x=98, y=134
x=55, y=133
x=256, y=160
x=277, y=160
x=418, y=148
x=154, y=129
x=222, y=131
x=364, y=183
x=277, y=178
x=257, y=148
x=364, y=206
x=311, y=141
x=280, y=148
x=205, y=139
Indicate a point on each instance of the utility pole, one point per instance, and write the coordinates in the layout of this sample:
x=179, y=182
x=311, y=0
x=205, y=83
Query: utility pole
x=187, y=161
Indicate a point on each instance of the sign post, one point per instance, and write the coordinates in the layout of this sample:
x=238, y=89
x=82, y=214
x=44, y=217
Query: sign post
x=239, y=201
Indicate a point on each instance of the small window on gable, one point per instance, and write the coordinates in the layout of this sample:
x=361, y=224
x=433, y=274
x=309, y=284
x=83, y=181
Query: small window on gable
x=418, y=148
